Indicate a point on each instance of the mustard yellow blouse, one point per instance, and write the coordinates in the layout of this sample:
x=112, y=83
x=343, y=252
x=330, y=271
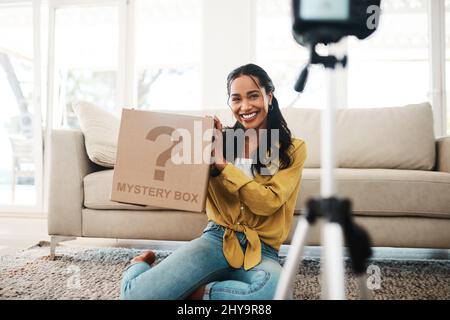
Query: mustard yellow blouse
x=262, y=208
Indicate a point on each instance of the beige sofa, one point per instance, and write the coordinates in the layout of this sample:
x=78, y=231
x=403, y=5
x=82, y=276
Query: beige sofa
x=388, y=162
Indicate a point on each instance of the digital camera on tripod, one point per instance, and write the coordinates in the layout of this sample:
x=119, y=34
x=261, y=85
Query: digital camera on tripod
x=327, y=22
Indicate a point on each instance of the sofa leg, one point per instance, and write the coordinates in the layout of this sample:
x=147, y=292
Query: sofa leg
x=54, y=240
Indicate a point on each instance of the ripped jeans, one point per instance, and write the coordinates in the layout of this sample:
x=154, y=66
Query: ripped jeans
x=201, y=262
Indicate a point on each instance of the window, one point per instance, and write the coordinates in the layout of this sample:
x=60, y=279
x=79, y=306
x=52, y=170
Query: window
x=17, y=136
x=86, y=59
x=279, y=54
x=391, y=67
x=168, y=39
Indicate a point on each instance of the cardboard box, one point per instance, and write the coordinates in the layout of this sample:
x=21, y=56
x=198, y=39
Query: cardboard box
x=163, y=160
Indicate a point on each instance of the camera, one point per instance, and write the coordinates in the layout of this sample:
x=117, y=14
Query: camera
x=327, y=21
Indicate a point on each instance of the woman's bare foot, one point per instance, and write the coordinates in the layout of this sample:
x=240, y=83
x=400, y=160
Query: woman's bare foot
x=148, y=256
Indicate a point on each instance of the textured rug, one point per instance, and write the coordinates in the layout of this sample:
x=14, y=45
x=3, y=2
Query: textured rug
x=95, y=273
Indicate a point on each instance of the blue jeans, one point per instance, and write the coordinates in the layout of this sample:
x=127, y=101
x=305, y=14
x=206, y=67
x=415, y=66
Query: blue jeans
x=201, y=262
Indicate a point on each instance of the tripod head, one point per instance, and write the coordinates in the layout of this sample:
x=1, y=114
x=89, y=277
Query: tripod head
x=328, y=61
x=328, y=21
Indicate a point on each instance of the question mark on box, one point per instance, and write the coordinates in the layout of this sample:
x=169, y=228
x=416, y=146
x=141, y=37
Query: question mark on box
x=165, y=155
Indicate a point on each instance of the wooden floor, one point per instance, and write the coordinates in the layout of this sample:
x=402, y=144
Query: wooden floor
x=21, y=233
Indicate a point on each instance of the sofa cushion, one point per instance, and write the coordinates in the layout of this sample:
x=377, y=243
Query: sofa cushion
x=374, y=192
x=385, y=192
x=389, y=138
x=97, y=193
x=101, y=130
x=170, y=225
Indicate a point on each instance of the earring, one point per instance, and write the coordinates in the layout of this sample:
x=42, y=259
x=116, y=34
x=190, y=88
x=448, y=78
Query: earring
x=270, y=107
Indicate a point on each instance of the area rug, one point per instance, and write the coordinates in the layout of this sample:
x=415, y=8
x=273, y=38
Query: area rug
x=95, y=273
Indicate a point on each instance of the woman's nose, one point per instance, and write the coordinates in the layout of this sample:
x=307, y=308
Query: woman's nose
x=245, y=105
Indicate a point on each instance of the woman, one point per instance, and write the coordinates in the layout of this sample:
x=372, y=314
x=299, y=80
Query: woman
x=249, y=213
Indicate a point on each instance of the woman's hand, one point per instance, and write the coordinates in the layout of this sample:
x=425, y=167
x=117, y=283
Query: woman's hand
x=217, y=150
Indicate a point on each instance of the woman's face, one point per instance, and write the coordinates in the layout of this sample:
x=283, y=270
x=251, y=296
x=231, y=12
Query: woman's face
x=249, y=102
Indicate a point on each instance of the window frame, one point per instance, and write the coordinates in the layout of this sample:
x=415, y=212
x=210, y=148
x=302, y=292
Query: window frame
x=437, y=74
x=19, y=210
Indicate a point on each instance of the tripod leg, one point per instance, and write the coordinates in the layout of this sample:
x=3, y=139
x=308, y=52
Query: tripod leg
x=333, y=263
x=364, y=293
x=284, y=288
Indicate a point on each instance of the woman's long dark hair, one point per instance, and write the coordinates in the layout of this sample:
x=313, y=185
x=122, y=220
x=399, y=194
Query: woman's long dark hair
x=275, y=119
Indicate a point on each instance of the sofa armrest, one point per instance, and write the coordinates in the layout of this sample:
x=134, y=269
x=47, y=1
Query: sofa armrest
x=69, y=164
x=443, y=154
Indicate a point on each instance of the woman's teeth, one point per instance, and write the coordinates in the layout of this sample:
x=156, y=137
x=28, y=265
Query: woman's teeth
x=249, y=116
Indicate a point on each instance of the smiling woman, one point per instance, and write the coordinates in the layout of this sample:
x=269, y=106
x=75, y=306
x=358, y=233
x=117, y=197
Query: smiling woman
x=249, y=214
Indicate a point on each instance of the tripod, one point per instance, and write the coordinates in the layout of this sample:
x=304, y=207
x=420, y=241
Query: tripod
x=339, y=225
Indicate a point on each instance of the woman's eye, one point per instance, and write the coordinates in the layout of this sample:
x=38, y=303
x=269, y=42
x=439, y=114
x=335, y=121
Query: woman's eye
x=255, y=96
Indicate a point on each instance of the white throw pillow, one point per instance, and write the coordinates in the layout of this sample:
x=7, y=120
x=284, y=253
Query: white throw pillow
x=100, y=128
